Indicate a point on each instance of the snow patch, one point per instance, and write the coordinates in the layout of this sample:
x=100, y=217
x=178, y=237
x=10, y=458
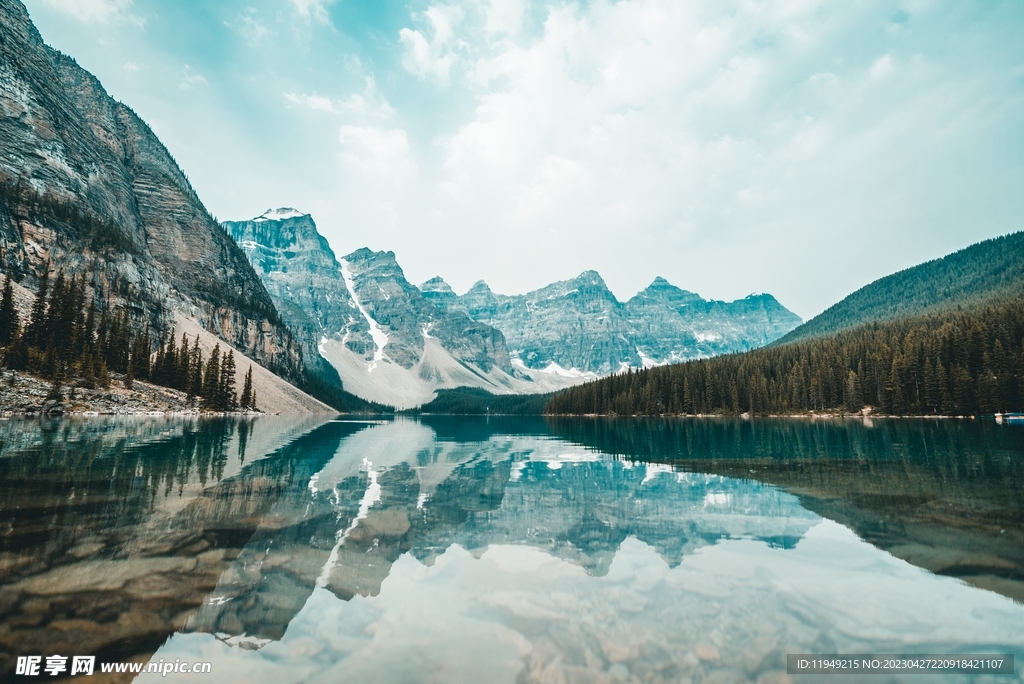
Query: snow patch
x=278, y=214
x=647, y=361
x=380, y=338
x=436, y=369
x=555, y=369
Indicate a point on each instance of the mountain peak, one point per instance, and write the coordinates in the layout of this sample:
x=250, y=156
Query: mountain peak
x=437, y=284
x=589, y=277
x=365, y=253
x=480, y=286
x=661, y=286
x=279, y=214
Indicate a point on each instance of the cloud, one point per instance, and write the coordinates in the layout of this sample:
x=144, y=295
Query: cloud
x=376, y=151
x=131, y=66
x=882, y=67
x=434, y=56
x=100, y=11
x=370, y=103
x=505, y=16
x=313, y=101
x=729, y=146
x=315, y=10
x=249, y=25
x=191, y=78
x=675, y=129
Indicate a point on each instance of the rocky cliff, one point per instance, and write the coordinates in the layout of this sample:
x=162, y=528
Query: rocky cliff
x=86, y=186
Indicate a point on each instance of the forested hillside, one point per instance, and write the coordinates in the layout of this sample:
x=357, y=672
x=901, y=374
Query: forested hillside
x=954, y=362
x=993, y=268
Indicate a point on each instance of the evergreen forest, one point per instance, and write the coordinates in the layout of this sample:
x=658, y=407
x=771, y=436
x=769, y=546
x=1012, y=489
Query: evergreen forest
x=954, y=362
x=72, y=342
x=985, y=271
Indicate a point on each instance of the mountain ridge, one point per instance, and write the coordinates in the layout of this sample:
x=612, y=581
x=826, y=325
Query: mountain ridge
x=579, y=325
x=990, y=268
x=394, y=343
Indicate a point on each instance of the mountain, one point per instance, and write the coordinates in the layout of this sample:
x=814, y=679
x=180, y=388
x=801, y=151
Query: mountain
x=986, y=270
x=383, y=338
x=578, y=328
x=390, y=342
x=573, y=325
x=671, y=325
x=86, y=187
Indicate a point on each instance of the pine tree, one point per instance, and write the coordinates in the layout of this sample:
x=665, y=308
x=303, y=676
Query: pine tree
x=246, y=401
x=195, y=385
x=228, y=400
x=181, y=379
x=8, y=314
x=129, y=374
x=37, y=316
x=211, y=381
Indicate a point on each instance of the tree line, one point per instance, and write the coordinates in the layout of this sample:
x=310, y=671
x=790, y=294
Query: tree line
x=956, y=362
x=71, y=341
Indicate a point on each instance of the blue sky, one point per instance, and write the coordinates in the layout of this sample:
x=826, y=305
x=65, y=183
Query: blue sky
x=799, y=147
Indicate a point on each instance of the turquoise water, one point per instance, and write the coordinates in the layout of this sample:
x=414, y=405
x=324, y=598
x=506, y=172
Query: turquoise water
x=509, y=550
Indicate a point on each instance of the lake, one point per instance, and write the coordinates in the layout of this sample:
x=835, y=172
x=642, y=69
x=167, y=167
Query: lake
x=510, y=549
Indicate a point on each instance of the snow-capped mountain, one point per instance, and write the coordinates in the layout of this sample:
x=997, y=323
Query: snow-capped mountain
x=578, y=326
x=388, y=341
x=385, y=339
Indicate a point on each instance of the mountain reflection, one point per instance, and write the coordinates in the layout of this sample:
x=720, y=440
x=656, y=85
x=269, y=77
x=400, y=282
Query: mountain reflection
x=118, y=533
x=945, y=495
x=396, y=488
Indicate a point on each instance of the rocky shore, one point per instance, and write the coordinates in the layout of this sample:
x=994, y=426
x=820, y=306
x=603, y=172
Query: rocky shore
x=25, y=394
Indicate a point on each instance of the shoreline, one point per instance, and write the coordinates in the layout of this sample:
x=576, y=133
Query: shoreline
x=22, y=394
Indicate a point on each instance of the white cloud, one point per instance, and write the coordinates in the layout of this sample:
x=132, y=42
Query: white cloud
x=730, y=146
x=313, y=101
x=370, y=103
x=131, y=66
x=882, y=67
x=191, y=78
x=377, y=152
x=505, y=16
x=315, y=10
x=101, y=11
x=249, y=25
x=434, y=56
x=632, y=136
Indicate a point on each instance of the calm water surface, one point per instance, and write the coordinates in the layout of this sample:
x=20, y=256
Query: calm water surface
x=509, y=550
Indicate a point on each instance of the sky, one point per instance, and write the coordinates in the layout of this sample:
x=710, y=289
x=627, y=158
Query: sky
x=799, y=147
